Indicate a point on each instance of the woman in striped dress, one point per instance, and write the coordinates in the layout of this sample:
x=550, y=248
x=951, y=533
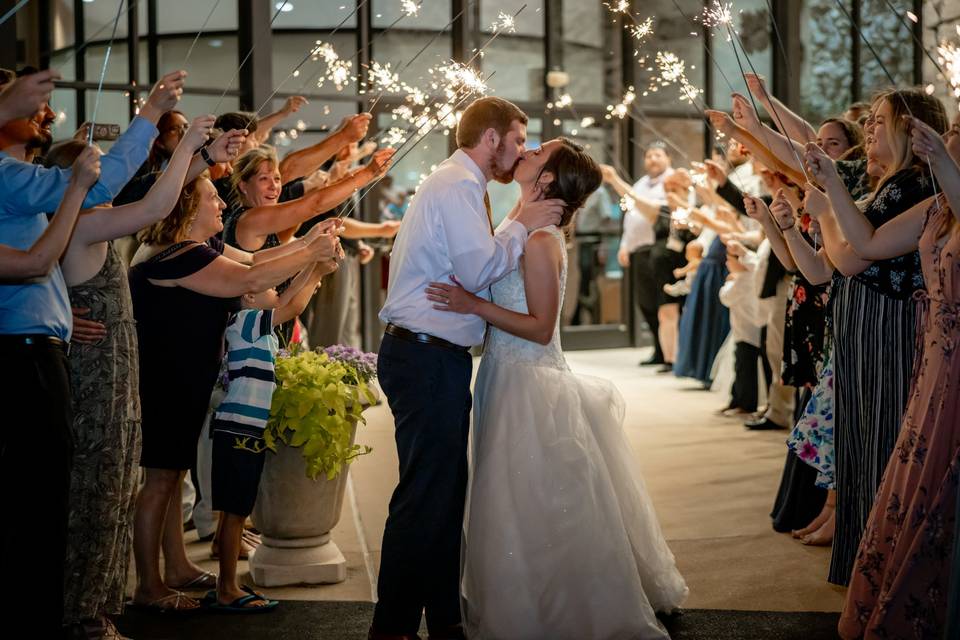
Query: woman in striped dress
x=874, y=318
x=901, y=577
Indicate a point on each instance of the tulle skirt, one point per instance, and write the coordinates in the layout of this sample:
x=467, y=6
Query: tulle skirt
x=561, y=537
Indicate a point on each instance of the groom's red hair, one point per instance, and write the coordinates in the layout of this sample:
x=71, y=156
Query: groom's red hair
x=487, y=113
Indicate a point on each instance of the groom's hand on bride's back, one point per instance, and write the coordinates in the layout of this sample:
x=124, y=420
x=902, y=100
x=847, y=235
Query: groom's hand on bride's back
x=535, y=213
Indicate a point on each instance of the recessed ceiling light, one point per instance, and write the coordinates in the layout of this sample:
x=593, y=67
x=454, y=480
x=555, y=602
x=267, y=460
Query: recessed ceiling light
x=285, y=7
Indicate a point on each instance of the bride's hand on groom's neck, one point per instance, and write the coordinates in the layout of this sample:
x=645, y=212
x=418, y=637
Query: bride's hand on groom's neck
x=534, y=213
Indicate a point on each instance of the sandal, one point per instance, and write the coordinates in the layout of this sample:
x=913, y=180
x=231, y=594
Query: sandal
x=205, y=580
x=243, y=604
x=163, y=605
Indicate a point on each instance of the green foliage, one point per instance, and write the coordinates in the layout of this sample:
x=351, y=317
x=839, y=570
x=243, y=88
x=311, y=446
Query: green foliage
x=315, y=405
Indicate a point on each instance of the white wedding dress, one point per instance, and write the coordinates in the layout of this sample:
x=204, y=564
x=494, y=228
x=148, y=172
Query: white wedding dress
x=561, y=538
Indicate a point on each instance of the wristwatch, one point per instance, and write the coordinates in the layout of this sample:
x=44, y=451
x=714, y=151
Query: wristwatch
x=206, y=157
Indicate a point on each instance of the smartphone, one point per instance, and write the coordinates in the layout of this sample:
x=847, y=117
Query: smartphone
x=104, y=131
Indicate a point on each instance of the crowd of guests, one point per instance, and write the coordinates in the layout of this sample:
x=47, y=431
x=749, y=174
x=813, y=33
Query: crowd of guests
x=125, y=277
x=811, y=270
x=819, y=266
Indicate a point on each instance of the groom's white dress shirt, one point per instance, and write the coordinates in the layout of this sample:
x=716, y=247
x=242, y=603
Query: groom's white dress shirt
x=446, y=232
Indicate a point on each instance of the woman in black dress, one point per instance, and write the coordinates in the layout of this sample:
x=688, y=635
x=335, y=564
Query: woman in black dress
x=185, y=284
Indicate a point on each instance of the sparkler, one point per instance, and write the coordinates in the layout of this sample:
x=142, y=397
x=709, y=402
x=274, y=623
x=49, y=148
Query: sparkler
x=9, y=14
x=339, y=71
x=505, y=22
x=202, y=27
x=86, y=43
x=412, y=91
x=424, y=130
x=913, y=18
x=949, y=56
x=103, y=73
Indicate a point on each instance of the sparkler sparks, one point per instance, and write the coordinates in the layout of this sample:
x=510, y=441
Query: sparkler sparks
x=339, y=71
x=410, y=8
x=505, y=22
x=949, y=56
x=587, y=122
x=627, y=203
x=621, y=110
x=620, y=6
x=718, y=15
x=641, y=30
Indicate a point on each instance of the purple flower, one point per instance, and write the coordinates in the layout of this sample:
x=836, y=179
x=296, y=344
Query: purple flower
x=364, y=363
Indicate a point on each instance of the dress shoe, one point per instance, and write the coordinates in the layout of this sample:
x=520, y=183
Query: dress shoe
x=375, y=635
x=652, y=361
x=763, y=425
x=666, y=368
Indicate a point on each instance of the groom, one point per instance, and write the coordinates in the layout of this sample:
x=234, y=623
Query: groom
x=425, y=366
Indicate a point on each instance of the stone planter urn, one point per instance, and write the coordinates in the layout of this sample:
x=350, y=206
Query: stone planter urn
x=295, y=515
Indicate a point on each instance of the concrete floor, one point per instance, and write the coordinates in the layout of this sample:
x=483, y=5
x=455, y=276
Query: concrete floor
x=712, y=482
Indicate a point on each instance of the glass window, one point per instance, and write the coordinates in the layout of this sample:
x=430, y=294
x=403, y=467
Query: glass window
x=311, y=124
x=672, y=33
x=64, y=102
x=117, y=66
x=594, y=279
x=186, y=16
x=114, y=108
x=881, y=27
x=583, y=54
x=432, y=16
x=65, y=63
x=212, y=63
x=683, y=137
x=289, y=50
x=194, y=105
x=752, y=23
x=98, y=19
x=62, y=32
x=516, y=60
x=825, y=69
x=415, y=161
x=398, y=49
x=314, y=14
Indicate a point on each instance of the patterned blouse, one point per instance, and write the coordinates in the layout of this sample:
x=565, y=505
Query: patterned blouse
x=897, y=277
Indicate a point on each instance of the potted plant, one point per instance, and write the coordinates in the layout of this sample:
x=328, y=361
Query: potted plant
x=317, y=405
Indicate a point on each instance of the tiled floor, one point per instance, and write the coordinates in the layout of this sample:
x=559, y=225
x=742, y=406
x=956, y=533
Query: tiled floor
x=713, y=484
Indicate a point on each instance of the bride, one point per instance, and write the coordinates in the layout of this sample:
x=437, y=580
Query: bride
x=561, y=538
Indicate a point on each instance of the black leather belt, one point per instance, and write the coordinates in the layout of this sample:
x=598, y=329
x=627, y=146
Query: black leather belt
x=423, y=338
x=10, y=341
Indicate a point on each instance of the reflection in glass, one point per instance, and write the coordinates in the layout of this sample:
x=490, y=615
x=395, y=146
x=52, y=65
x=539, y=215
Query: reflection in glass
x=315, y=14
x=594, y=279
x=583, y=55
x=825, y=88
x=940, y=22
x=116, y=67
x=752, y=22
x=212, y=63
x=186, y=16
x=892, y=43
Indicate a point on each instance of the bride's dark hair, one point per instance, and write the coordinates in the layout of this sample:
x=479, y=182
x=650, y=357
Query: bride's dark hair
x=575, y=176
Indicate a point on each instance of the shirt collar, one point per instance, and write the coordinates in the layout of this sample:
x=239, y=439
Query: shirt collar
x=465, y=161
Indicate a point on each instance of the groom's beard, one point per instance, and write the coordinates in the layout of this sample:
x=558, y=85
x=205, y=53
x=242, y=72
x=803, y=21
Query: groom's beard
x=503, y=176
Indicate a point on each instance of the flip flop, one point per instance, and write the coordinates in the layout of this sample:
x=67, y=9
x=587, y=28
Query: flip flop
x=159, y=605
x=205, y=580
x=240, y=605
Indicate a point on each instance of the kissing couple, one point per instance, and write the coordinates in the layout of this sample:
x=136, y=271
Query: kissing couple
x=548, y=531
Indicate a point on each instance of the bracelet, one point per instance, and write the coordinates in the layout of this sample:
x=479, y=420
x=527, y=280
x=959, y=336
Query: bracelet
x=206, y=157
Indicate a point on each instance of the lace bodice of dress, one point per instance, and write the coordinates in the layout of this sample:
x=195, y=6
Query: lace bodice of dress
x=509, y=293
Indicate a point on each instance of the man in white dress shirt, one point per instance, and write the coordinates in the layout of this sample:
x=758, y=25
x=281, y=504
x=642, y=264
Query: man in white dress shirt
x=638, y=238
x=425, y=366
